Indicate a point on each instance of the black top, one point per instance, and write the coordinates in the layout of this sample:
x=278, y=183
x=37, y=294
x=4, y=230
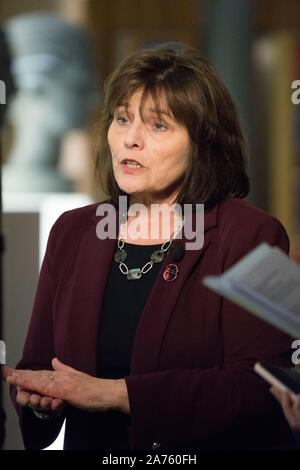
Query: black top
x=123, y=303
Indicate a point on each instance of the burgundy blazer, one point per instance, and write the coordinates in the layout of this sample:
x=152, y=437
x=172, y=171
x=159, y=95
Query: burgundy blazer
x=191, y=383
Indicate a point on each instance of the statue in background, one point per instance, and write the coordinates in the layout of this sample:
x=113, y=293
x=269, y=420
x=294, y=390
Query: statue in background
x=57, y=90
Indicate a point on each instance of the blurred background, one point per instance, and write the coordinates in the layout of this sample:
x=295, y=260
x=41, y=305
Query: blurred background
x=54, y=58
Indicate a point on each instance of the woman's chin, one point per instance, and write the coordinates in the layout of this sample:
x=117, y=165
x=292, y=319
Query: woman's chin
x=130, y=189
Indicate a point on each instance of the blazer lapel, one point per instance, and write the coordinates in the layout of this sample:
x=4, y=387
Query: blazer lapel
x=161, y=302
x=92, y=267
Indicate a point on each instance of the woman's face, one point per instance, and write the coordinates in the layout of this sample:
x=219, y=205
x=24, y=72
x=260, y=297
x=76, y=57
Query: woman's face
x=149, y=154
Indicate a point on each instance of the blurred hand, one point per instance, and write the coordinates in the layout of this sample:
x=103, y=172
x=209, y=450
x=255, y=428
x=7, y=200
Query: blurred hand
x=290, y=404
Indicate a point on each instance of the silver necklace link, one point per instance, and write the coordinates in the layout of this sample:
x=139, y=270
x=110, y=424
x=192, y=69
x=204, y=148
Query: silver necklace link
x=156, y=257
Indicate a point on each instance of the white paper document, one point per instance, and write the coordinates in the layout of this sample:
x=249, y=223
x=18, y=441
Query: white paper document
x=267, y=283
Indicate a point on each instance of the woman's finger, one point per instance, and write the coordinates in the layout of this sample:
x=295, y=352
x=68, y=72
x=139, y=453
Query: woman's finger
x=276, y=393
x=23, y=398
x=45, y=402
x=6, y=372
x=36, y=381
x=58, y=365
x=57, y=404
x=39, y=403
x=290, y=404
x=287, y=406
x=35, y=400
x=287, y=400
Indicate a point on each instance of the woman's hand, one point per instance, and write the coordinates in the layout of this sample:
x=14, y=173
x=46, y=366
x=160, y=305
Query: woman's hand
x=290, y=404
x=35, y=401
x=71, y=386
x=38, y=402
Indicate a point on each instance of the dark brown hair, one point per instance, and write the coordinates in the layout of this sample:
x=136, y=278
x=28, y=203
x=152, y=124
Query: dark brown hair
x=197, y=99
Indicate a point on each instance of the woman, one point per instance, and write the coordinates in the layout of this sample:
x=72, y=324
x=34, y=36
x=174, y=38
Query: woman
x=133, y=352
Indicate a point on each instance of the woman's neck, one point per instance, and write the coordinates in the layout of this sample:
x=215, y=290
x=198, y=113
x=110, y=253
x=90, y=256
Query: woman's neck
x=150, y=225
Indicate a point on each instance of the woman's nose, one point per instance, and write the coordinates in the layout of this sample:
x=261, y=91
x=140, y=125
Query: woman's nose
x=134, y=136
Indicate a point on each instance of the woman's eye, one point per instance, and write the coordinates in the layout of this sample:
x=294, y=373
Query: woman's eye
x=121, y=120
x=159, y=127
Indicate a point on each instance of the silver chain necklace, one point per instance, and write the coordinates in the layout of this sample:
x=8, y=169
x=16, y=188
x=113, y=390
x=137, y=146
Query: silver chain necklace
x=156, y=257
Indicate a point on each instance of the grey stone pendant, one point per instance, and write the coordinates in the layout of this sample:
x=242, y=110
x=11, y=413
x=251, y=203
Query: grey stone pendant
x=157, y=256
x=133, y=274
x=120, y=256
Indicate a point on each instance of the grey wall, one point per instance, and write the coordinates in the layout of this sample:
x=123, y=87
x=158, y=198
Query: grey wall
x=21, y=265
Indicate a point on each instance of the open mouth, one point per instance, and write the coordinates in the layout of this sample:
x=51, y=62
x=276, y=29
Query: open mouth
x=131, y=163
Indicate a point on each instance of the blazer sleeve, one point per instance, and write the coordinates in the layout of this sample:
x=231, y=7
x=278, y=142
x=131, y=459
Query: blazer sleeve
x=182, y=408
x=39, y=351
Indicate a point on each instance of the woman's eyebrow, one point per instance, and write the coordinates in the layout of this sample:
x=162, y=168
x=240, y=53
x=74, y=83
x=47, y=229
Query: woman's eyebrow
x=159, y=111
x=147, y=110
x=121, y=106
